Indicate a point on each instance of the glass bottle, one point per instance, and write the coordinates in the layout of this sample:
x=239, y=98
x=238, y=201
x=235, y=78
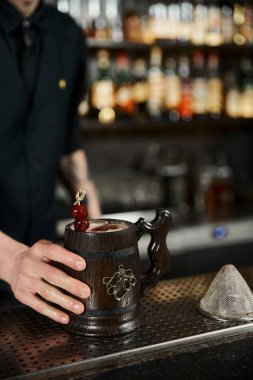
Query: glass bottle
x=185, y=106
x=205, y=175
x=158, y=15
x=221, y=192
x=124, y=97
x=247, y=26
x=101, y=25
x=239, y=20
x=227, y=24
x=172, y=94
x=199, y=85
x=174, y=173
x=200, y=24
x=102, y=90
x=232, y=93
x=140, y=87
x=214, y=86
x=93, y=12
x=132, y=25
x=246, y=73
x=186, y=18
x=173, y=19
x=155, y=101
x=113, y=15
x=213, y=36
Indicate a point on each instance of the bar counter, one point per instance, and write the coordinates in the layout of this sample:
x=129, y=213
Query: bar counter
x=174, y=341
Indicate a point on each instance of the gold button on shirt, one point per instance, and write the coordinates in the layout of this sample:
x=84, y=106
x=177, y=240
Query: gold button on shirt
x=62, y=84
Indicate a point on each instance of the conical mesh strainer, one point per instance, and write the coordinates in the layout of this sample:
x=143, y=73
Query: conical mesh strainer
x=228, y=297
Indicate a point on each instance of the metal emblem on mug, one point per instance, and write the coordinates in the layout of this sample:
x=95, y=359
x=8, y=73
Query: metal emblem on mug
x=121, y=283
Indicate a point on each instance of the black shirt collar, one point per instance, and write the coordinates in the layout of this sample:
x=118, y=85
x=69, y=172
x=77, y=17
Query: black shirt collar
x=10, y=18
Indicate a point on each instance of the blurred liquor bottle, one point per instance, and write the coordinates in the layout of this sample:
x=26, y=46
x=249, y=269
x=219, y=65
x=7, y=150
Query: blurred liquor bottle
x=247, y=26
x=102, y=90
x=186, y=21
x=239, y=21
x=158, y=20
x=227, y=24
x=214, y=86
x=200, y=23
x=199, y=85
x=114, y=17
x=173, y=19
x=204, y=176
x=174, y=174
x=172, y=95
x=132, y=25
x=213, y=36
x=220, y=197
x=155, y=101
x=185, y=106
x=232, y=92
x=100, y=24
x=246, y=98
x=97, y=23
x=124, y=96
x=140, y=88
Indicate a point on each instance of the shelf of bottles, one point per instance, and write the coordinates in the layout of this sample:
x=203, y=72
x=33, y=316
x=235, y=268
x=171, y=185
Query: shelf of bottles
x=165, y=63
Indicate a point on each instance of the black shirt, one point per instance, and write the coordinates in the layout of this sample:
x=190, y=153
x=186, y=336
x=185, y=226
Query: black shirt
x=24, y=37
x=34, y=135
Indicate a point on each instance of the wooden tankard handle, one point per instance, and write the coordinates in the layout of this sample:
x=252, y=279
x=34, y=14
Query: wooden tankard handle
x=157, y=249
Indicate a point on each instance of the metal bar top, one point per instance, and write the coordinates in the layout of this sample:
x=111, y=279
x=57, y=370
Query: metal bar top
x=34, y=347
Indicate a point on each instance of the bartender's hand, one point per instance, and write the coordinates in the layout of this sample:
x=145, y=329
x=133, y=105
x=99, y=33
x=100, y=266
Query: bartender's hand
x=30, y=272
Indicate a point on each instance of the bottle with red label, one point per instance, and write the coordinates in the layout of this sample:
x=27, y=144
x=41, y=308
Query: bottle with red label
x=186, y=103
x=199, y=85
x=125, y=106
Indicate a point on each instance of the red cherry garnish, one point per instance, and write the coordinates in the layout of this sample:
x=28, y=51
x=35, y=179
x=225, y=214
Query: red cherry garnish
x=81, y=225
x=79, y=212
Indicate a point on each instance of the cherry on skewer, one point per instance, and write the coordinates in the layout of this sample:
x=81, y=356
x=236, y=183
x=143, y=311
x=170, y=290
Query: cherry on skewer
x=81, y=225
x=79, y=212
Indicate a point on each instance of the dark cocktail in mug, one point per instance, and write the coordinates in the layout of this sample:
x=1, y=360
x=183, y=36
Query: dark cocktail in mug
x=105, y=226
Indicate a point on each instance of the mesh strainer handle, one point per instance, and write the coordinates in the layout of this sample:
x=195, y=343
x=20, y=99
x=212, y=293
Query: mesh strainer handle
x=157, y=248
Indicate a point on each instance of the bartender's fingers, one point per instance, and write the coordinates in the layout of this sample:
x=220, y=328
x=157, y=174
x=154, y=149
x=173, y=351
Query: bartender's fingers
x=54, y=295
x=54, y=252
x=62, y=280
x=43, y=308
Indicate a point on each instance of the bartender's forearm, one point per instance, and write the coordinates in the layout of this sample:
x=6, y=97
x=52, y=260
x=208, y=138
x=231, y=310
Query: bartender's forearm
x=74, y=171
x=9, y=249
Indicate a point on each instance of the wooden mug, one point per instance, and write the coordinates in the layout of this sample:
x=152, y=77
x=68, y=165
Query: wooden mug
x=113, y=272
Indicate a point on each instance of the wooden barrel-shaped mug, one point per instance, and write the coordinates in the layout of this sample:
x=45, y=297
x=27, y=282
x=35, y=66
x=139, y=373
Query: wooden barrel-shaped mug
x=113, y=271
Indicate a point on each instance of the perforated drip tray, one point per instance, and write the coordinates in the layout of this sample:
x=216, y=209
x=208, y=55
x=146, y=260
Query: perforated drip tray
x=34, y=347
